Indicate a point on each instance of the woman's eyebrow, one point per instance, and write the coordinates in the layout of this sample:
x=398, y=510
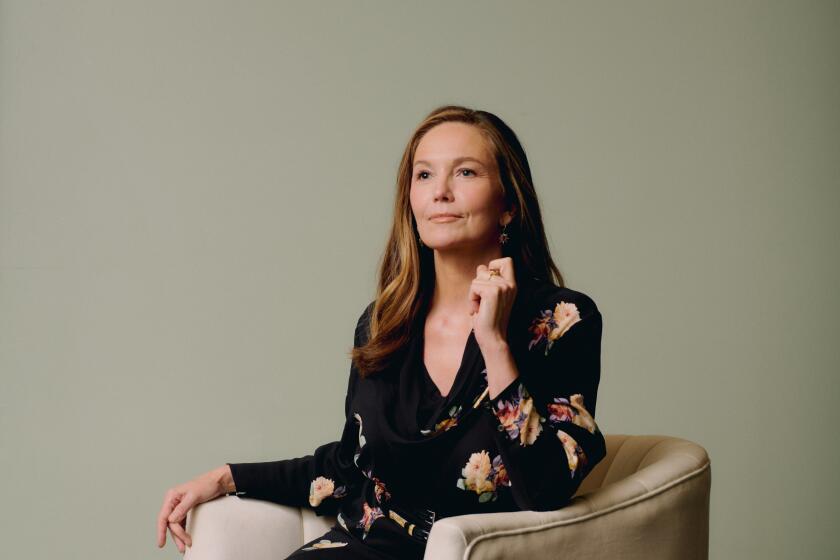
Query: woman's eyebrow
x=456, y=161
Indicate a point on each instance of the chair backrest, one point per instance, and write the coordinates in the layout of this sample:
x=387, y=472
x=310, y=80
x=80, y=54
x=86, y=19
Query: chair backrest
x=655, y=457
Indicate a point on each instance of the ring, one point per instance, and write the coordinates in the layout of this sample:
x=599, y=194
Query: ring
x=494, y=272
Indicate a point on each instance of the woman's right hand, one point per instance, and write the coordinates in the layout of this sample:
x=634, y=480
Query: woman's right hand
x=177, y=501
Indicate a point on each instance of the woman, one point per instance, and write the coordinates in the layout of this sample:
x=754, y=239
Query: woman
x=473, y=379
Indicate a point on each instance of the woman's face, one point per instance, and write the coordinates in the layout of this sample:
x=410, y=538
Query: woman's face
x=455, y=173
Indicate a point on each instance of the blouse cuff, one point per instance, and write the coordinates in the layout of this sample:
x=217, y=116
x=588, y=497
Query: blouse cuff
x=507, y=393
x=248, y=477
x=515, y=414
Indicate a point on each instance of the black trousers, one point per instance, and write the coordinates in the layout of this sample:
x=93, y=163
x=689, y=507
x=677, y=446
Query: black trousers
x=385, y=541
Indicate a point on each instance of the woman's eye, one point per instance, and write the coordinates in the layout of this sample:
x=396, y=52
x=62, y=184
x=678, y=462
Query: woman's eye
x=420, y=174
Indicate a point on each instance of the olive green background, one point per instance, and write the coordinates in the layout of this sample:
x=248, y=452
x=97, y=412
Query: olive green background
x=194, y=197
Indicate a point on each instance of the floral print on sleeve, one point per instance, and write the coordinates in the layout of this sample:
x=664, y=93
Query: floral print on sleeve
x=546, y=436
x=483, y=477
x=552, y=324
x=321, y=488
x=518, y=417
x=571, y=410
x=574, y=454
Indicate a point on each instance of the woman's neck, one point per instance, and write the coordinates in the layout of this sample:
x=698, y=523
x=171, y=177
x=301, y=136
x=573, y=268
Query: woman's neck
x=454, y=273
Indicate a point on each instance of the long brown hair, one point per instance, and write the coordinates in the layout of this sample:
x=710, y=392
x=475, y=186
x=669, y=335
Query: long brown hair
x=406, y=270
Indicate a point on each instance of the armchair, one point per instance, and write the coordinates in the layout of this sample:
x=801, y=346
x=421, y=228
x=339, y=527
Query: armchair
x=648, y=498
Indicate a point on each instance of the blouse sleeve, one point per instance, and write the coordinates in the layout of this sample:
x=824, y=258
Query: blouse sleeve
x=318, y=480
x=546, y=430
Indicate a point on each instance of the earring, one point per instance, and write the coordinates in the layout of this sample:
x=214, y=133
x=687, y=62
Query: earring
x=503, y=237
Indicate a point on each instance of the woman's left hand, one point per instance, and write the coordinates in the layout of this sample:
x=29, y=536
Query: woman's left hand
x=491, y=299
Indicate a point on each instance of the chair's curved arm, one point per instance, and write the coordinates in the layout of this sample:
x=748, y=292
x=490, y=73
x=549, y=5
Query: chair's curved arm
x=232, y=528
x=629, y=518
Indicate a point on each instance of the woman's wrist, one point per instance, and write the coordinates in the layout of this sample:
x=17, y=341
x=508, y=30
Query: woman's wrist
x=501, y=368
x=224, y=478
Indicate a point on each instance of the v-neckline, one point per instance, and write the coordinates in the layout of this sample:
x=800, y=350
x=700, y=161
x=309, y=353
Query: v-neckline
x=458, y=373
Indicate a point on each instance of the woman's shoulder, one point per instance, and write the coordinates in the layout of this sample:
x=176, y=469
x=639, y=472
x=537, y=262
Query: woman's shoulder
x=554, y=311
x=365, y=316
x=363, y=324
x=547, y=296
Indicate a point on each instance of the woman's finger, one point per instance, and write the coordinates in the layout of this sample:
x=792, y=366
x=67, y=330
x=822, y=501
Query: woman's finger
x=178, y=542
x=161, y=529
x=186, y=503
x=179, y=530
x=169, y=500
x=183, y=524
x=505, y=267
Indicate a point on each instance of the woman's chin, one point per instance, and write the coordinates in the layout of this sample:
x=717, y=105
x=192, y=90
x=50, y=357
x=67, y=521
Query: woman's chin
x=453, y=246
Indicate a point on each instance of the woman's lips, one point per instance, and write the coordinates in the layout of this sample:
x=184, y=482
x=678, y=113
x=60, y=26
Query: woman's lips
x=445, y=218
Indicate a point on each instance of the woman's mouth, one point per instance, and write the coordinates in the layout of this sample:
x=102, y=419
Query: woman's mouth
x=440, y=218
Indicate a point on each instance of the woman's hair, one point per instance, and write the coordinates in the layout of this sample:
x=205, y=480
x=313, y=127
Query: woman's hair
x=406, y=271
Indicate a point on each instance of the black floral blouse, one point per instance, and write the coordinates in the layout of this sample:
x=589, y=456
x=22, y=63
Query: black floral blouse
x=408, y=455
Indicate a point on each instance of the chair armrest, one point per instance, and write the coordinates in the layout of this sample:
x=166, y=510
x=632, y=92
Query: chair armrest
x=232, y=528
x=659, y=512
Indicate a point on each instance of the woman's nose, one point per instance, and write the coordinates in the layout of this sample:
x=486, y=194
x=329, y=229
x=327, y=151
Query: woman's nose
x=442, y=189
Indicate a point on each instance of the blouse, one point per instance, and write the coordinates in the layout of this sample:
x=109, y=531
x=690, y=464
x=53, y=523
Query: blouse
x=409, y=455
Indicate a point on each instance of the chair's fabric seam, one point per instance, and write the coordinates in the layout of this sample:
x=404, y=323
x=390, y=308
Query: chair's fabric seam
x=617, y=451
x=645, y=456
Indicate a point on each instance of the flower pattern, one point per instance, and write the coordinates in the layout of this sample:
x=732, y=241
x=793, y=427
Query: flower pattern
x=371, y=514
x=380, y=491
x=550, y=325
x=362, y=440
x=518, y=417
x=325, y=543
x=447, y=423
x=571, y=410
x=482, y=476
x=574, y=454
x=342, y=522
x=321, y=488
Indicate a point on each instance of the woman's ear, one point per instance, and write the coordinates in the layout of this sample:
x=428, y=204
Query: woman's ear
x=507, y=216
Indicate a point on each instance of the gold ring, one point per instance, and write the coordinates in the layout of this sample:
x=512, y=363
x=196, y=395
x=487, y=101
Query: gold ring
x=494, y=272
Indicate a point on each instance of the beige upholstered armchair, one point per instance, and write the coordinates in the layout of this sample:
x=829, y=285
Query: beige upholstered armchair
x=648, y=498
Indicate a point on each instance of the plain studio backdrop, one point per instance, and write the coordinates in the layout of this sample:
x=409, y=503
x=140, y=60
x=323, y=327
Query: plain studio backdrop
x=194, y=197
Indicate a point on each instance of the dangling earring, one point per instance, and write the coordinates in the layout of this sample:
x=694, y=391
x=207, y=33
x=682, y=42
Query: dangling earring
x=503, y=237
